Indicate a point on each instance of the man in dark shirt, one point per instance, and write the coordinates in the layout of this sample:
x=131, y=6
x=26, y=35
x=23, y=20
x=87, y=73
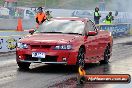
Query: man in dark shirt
x=97, y=15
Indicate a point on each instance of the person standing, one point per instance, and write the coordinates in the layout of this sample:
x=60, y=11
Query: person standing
x=40, y=16
x=97, y=15
x=16, y=14
x=48, y=15
x=109, y=18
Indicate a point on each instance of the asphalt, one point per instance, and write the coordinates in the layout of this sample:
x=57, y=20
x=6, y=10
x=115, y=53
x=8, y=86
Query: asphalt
x=56, y=76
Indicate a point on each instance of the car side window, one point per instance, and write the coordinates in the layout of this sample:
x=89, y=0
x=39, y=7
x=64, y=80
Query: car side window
x=86, y=29
x=91, y=26
x=94, y=26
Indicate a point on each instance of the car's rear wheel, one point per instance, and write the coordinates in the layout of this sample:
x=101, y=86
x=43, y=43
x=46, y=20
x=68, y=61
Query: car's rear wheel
x=106, y=56
x=80, y=58
x=23, y=65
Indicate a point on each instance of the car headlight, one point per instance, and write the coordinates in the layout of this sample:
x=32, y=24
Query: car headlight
x=63, y=47
x=22, y=45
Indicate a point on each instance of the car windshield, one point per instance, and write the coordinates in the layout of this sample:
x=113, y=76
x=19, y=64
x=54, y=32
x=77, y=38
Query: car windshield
x=63, y=26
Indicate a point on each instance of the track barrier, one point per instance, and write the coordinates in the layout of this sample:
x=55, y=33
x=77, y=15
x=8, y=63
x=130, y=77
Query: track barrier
x=117, y=30
x=8, y=40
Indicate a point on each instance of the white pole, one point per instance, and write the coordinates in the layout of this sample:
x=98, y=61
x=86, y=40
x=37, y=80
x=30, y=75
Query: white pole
x=45, y=4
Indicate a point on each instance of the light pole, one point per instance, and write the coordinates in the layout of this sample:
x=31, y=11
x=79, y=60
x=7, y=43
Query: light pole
x=45, y=4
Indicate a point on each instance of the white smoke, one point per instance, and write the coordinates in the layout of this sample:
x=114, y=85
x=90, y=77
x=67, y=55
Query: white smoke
x=120, y=5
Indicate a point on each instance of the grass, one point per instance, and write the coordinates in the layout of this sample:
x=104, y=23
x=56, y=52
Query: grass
x=1, y=2
x=58, y=3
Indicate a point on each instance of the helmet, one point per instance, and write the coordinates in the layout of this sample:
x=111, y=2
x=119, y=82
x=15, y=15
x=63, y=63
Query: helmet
x=110, y=13
x=40, y=9
x=48, y=11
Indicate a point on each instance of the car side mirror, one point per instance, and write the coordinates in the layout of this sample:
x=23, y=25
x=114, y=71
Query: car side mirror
x=92, y=33
x=31, y=31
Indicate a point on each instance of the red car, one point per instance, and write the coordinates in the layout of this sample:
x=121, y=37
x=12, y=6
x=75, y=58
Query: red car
x=68, y=41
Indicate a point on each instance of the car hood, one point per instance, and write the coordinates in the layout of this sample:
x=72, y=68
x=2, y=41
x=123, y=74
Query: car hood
x=49, y=38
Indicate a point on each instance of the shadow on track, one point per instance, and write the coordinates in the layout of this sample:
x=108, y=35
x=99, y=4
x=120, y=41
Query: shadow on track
x=62, y=69
x=90, y=69
x=55, y=69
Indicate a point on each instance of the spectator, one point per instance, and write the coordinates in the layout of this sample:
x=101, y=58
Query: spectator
x=97, y=15
x=41, y=16
x=109, y=18
x=48, y=15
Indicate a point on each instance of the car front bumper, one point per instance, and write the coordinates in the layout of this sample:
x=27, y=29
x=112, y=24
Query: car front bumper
x=66, y=57
x=43, y=62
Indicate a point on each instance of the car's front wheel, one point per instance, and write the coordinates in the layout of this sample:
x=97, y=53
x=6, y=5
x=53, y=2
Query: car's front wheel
x=23, y=65
x=80, y=58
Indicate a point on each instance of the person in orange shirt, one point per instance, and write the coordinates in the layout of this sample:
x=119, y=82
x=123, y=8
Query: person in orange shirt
x=40, y=16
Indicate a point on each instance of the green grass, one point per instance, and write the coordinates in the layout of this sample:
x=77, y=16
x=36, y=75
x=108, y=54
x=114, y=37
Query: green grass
x=75, y=4
x=1, y=2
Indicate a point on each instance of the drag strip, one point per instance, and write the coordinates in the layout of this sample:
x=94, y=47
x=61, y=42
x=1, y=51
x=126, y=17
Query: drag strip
x=43, y=76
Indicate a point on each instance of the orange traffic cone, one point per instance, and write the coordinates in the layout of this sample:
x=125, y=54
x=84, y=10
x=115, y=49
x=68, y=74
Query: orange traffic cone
x=19, y=25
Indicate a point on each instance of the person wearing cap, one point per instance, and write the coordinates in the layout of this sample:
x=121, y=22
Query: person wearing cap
x=40, y=16
x=96, y=15
x=109, y=18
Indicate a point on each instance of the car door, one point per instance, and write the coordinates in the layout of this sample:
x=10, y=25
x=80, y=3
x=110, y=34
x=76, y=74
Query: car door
x=97, y=39
x=92, y=42
x=103, y=41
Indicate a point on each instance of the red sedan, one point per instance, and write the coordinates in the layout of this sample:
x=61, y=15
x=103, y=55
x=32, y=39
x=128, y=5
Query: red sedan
x=68, y=41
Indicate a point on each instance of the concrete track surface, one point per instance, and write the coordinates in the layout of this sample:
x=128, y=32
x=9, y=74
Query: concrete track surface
x=53, y=76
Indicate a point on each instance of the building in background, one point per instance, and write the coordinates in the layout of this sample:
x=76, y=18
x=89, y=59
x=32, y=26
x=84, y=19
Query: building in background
x=10, y=3
x=102, y=5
